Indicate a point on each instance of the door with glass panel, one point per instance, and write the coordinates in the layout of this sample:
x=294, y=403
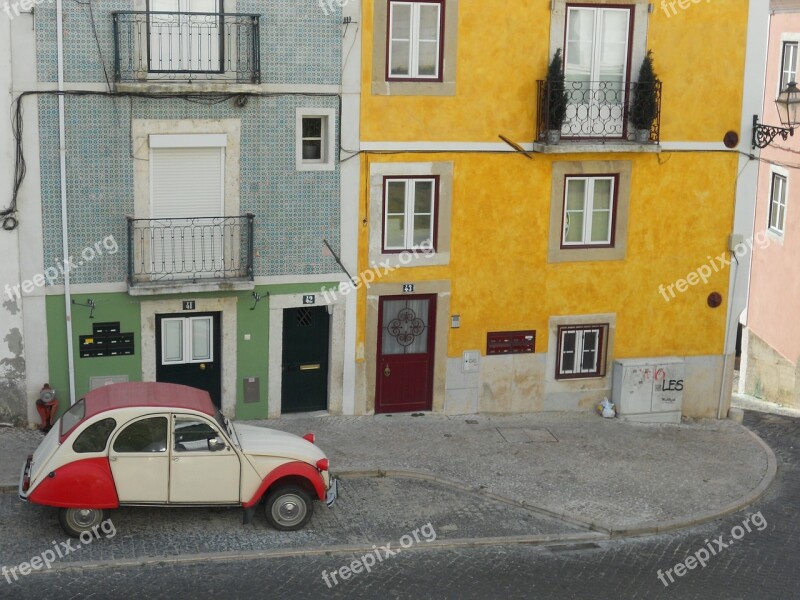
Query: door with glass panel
x=596, y=71
x=185, y=36
x=188, y=351
x=404, y=380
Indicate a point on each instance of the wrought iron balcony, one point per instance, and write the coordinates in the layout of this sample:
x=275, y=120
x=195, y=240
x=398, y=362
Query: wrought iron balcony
x=598, y=110
x=187, y=47
x=190, y=250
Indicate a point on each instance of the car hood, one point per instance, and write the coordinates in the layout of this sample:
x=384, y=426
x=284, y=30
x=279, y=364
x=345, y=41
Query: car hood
x=261, y=441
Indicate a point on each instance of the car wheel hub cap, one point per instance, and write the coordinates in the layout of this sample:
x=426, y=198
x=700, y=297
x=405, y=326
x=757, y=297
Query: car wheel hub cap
x=84, y=517
x=290, y=510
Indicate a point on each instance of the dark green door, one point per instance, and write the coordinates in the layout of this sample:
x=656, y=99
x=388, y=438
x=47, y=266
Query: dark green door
x=189, y=352
x=304, y=384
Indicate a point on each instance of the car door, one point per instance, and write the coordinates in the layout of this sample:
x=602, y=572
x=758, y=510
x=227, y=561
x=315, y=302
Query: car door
x=140, y=461
x=200, y=471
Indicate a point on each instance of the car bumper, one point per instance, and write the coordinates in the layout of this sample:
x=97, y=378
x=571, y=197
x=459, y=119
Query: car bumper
x=333, y=492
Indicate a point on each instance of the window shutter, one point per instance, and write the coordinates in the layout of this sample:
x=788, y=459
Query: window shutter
x=187, y=182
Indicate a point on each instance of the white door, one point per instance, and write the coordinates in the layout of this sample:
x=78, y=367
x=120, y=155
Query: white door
x=182, y=41
x=140, y=461
x=198, y=473
x=595, y=70
x=187, y=188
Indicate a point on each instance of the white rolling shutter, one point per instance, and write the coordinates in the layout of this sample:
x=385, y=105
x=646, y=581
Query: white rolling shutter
x=187, y=183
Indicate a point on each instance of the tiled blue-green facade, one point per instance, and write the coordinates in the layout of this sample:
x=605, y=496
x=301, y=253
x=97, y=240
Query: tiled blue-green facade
x=300, y=44
x=294, y=210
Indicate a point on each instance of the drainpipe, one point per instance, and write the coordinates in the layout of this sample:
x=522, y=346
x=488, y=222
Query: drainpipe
x=62, y=150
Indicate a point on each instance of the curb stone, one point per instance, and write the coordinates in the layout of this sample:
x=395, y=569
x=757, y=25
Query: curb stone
x=183, y=559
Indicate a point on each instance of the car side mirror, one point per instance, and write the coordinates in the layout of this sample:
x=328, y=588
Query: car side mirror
x=215, y=444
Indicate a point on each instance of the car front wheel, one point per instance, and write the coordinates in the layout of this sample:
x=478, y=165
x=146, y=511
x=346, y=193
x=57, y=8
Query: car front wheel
x=289, y=507
x=77, y=520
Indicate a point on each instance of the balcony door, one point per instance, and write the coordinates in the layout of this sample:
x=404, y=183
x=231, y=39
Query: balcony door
x=596, y=60
x=187, y=238
x=185, y=36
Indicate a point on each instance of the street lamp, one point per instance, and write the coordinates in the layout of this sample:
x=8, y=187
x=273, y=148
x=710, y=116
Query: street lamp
x=788, y=103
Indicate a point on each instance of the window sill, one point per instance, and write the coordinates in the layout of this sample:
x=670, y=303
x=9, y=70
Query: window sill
x=590, y=146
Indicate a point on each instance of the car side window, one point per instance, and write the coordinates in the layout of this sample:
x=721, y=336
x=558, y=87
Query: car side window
x=192, y=434
x=147, y=435
x=95, y=437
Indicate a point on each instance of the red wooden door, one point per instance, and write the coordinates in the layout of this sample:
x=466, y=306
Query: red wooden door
x=404, y=381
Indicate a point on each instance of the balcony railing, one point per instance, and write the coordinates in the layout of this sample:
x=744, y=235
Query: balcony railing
x=180, y=46
x=597, y=110
x=190, y=249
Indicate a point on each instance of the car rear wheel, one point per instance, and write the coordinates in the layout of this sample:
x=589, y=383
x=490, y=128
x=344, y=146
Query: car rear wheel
x=77, y=520
x=289, y=507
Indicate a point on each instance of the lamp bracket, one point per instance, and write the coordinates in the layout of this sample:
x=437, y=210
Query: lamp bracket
x=764, y=134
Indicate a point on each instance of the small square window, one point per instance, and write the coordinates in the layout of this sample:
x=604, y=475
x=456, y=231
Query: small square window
x=409, y=213
x=581, y=351
x=589, y=212
x=315, y=149
x=777, y=203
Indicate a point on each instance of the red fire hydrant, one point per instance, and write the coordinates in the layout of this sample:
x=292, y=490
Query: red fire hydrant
x=47, y=407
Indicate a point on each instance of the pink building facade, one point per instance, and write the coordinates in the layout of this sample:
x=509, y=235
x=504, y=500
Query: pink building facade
x=770, y=364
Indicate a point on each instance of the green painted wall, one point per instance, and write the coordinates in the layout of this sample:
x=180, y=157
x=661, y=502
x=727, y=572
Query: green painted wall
x=252, y=355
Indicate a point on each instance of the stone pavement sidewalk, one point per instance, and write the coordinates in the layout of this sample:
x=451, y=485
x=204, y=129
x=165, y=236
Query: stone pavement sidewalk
x=617, y=477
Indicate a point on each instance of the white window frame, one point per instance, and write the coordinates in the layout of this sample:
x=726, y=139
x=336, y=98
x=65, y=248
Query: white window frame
x=326, y=162
x=409, y=213
x=790, y=74
x=186, y=341
x=780, y=203
x=414, y=42
x=588, y=212
x=580, y=331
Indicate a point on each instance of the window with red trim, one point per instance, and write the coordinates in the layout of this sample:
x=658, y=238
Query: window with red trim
x=410, y=207
x=581, y=351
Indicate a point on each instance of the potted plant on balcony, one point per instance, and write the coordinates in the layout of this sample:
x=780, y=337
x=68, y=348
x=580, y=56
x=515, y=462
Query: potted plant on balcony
x=644, y=106
x=556, y=98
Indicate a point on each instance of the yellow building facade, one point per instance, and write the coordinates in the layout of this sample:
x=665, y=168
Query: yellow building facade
x=498, y=280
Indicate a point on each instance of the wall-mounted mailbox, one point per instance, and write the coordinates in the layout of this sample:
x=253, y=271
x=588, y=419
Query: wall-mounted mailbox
x=106, y=340
x=510, y=342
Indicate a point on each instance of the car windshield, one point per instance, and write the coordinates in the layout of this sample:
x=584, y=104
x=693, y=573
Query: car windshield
x=226, y=426
x=73, y=416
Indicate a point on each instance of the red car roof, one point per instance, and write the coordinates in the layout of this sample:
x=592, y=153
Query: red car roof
x=143, y=393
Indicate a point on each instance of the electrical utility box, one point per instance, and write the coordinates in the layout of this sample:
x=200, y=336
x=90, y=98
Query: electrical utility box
x=648, y=389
